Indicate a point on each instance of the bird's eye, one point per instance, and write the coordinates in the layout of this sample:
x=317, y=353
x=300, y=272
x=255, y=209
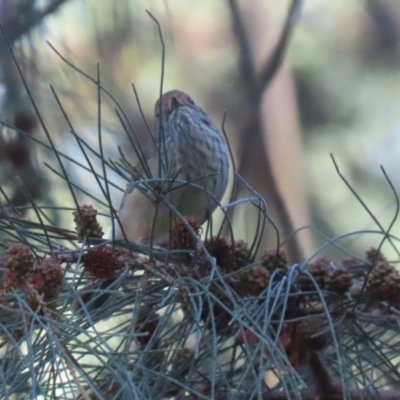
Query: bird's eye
x=190, y=101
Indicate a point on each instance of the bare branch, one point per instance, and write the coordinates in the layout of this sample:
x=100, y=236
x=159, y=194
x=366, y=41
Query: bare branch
x=246, y=59
x=274, y=61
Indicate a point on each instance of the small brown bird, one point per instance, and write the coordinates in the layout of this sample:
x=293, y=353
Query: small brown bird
x=187, y=148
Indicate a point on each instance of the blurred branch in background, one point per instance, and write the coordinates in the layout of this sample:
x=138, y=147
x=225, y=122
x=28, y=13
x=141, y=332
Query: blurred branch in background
x=254, y=160
x=21, y=16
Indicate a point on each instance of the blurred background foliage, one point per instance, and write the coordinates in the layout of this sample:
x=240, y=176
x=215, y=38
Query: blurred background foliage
x=337, y=92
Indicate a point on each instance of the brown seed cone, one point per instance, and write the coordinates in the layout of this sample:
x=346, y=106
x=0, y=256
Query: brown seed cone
x=390, y=289
x=101, y=262
x=19, y=259
x=241, y=254
x=87, y=225
x=339, y=281
x=320, y=271
x=379, y=275
x=273, y=260
x=188, y=148
x=180, y=236
x=219, y=248
x=47, y=277
x=250, y=282
x=375, y=256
